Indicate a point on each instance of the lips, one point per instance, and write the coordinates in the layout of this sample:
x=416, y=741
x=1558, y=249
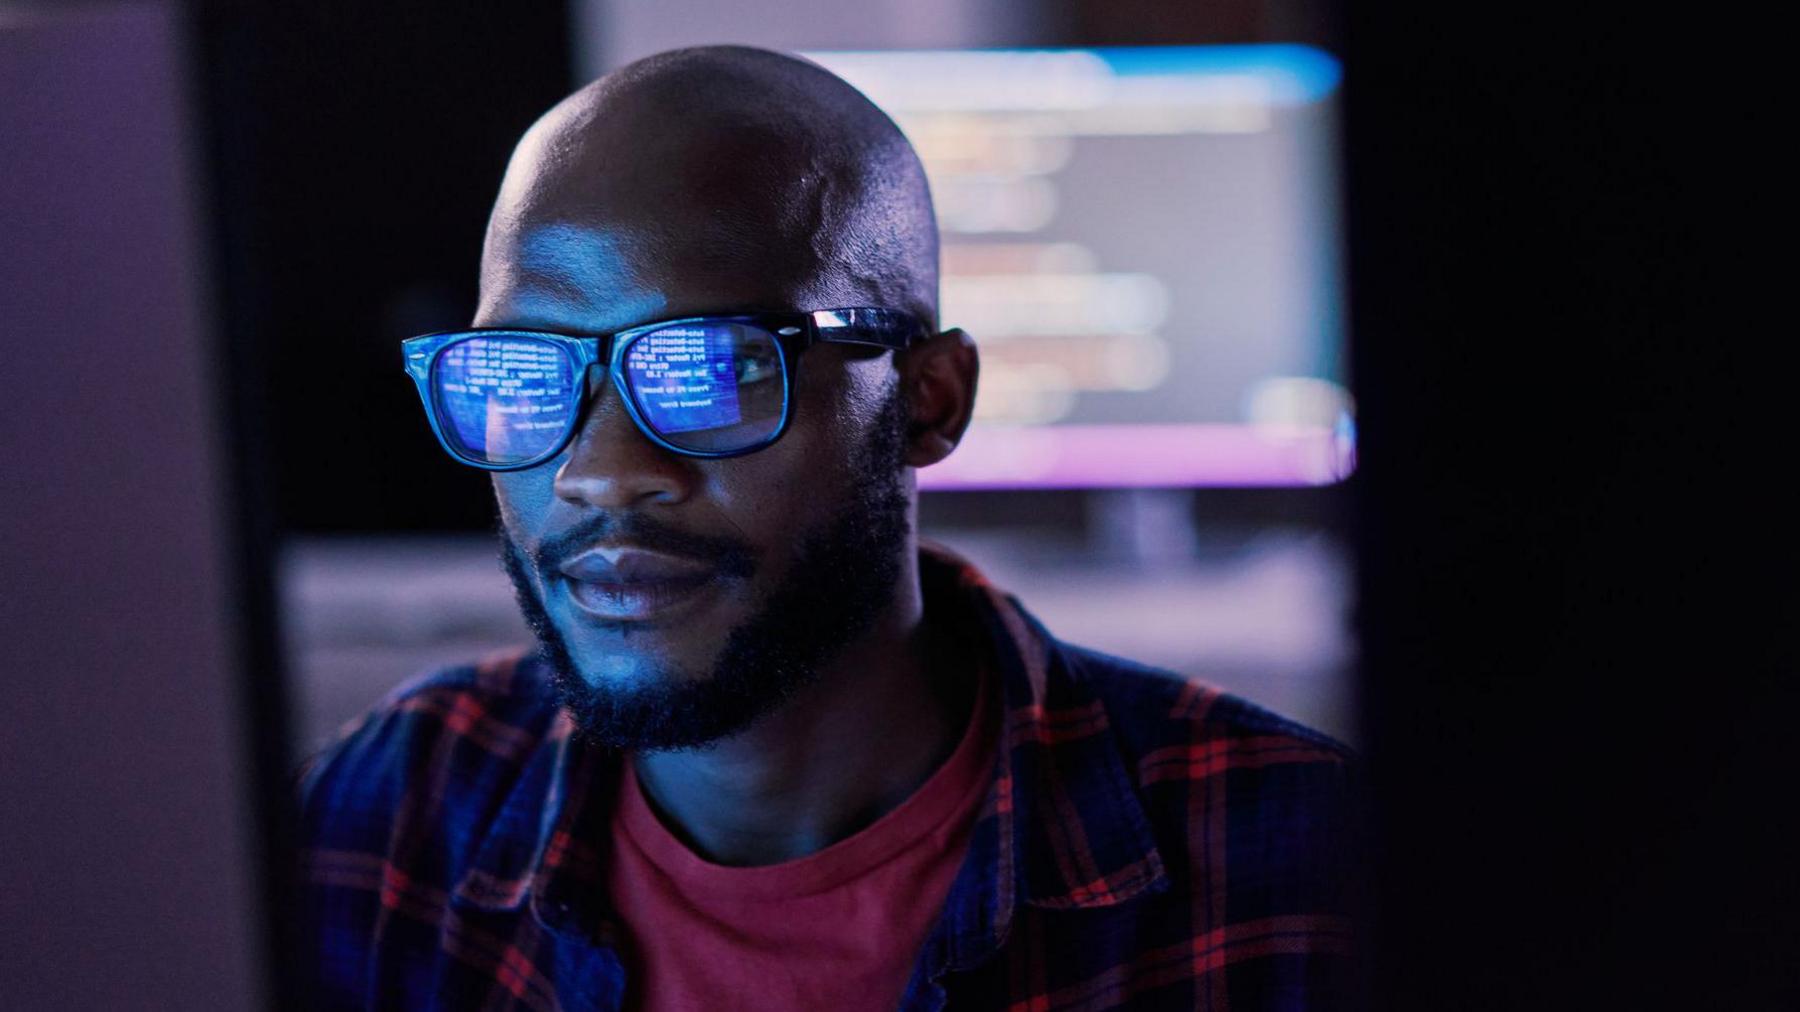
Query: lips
x=624, y=584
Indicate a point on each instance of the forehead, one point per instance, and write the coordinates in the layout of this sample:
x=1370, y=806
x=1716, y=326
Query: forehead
x=615, y=224
x=601, y=277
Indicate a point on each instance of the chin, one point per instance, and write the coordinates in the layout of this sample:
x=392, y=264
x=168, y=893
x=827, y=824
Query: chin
x=645, y=654
x=646, y=669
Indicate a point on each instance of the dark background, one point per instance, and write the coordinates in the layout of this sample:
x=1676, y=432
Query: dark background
x=358, y=147
x=1577, y=565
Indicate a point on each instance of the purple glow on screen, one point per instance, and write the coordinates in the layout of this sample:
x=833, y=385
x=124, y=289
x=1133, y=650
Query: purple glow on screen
x=1144, y=456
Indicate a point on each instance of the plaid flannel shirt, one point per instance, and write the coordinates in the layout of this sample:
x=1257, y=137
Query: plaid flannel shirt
x=1148, y=842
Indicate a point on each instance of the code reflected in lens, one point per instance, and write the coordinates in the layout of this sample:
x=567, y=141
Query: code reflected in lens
x=709, y=387
x=504, y=400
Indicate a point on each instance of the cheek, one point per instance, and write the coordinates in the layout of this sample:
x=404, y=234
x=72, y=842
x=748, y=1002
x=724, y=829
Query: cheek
x=842, y=399
x=775, y=494
x=767, y=498
x=524, y=499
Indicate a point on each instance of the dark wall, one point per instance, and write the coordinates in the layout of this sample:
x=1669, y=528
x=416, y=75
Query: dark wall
x=360, y=146
x=1576, y=565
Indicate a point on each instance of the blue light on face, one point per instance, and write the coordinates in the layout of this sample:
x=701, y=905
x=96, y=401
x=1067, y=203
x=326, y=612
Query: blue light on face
x=686, y=378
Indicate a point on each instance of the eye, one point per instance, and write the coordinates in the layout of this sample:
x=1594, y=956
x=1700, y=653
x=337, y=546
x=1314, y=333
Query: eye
x=755, y=363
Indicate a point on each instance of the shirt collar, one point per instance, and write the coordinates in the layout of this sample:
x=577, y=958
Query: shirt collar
x=1066, y=831
x=1071, y=829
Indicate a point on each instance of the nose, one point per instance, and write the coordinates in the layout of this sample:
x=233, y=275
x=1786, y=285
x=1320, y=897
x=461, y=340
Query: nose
x=612, y=465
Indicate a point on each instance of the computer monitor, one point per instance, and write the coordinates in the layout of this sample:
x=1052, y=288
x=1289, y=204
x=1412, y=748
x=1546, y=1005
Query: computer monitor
x=1144, y=244
x=131, y=786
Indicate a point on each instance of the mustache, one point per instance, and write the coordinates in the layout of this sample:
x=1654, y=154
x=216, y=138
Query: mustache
x=729, y=556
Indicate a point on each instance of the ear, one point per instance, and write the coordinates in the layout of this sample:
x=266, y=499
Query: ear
x=939, y=378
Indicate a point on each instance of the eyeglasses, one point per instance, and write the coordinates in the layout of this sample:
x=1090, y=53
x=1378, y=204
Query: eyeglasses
x=701, y=386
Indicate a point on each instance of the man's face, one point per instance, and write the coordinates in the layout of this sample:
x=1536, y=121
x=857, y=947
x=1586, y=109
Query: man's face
x=678, y=599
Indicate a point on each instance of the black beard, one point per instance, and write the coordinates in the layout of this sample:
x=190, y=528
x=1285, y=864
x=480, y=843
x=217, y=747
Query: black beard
x=840, y=580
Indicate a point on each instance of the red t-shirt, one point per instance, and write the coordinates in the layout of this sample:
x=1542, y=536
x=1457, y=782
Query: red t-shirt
x=837, y=929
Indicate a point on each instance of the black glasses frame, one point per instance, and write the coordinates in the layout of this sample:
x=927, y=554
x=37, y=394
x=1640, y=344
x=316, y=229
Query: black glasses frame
x=794, y=332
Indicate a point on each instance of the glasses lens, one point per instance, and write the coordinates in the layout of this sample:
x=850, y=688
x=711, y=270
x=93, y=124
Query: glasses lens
x=713, y=387
x=504, y=400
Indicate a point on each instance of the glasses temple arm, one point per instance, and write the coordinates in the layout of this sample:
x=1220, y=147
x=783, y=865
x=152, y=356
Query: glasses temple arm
x=886, y=328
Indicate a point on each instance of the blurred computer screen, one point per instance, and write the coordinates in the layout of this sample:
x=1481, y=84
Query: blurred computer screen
x=1144, y=243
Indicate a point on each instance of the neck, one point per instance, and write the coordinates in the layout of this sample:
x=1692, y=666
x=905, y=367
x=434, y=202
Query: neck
x=870, y=730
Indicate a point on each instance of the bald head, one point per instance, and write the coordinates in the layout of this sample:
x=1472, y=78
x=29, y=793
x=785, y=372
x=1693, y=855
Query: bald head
x=745, y=174
x=711, y=182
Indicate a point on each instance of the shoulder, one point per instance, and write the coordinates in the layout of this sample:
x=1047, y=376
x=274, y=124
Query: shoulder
x=1152, y=708
x=1228, y=784
x=393, y=810
x=442, y=739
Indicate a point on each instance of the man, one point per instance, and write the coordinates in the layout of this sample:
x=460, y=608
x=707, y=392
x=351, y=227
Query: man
x=773, y=752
